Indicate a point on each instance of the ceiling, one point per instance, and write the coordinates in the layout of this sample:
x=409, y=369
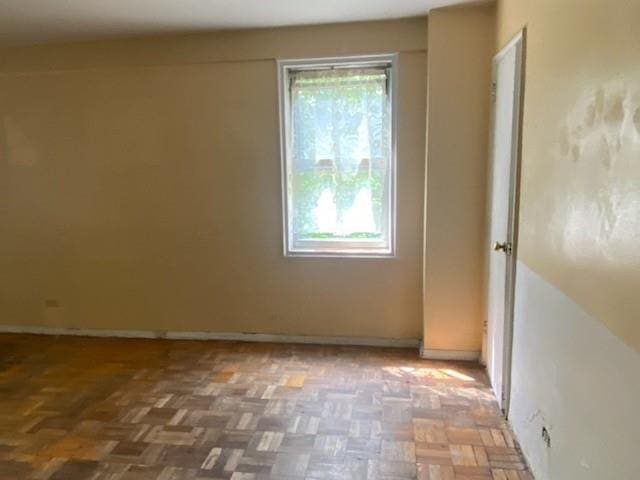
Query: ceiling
x=39, y=21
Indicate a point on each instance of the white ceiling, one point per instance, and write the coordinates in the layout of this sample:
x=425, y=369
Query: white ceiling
x=37, y=21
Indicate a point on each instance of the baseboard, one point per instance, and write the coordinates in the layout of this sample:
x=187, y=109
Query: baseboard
x=464, y=355
x=80, y=332
x=190, y=335
x=308, y=339
x=427, y=354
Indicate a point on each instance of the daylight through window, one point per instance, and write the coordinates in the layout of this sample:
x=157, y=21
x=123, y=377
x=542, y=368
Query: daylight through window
x=339, y=163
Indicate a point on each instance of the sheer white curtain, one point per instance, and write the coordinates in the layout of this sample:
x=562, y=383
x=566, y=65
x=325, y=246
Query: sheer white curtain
x=340, y=144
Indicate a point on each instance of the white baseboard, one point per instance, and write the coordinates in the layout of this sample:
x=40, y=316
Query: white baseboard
x=189, y=335
x=428, y=354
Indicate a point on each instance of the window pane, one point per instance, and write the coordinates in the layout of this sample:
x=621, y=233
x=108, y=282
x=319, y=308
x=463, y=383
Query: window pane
x=339, y=170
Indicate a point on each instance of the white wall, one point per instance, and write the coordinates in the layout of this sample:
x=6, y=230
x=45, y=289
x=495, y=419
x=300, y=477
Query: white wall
x=575, y=377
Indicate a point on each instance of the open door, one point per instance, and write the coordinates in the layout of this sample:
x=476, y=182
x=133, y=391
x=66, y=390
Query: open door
x=507, y=90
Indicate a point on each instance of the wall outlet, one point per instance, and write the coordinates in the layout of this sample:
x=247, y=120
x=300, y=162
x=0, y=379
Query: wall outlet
x=546, y=437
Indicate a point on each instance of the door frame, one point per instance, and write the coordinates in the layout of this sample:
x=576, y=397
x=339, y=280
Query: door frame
x=519, y=43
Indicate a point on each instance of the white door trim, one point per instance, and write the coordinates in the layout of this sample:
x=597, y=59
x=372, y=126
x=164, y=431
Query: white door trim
x=518, y=42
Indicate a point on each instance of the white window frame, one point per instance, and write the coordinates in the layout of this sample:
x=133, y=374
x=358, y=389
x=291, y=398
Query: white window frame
x=334, y=248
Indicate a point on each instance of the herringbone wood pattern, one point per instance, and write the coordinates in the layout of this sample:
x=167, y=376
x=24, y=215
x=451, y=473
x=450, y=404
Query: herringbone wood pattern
x=111, y=409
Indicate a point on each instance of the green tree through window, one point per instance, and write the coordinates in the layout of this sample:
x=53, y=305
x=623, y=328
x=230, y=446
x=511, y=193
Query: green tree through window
x=340, y=126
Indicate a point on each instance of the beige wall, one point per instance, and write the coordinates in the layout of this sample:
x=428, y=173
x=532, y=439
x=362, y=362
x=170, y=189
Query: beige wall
x=576, y=352
x=141, y=188
x=461, y=43
x=580, y=197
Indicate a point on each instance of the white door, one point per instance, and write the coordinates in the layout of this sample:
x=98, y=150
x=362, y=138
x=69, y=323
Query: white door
x=503, y=178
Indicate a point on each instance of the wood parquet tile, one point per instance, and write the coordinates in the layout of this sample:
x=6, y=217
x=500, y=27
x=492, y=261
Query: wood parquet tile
x=111, y=409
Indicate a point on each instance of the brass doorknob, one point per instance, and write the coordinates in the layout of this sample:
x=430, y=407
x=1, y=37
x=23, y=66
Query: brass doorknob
x=504, y=246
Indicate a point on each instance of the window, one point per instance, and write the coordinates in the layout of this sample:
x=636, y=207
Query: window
x=338, y=129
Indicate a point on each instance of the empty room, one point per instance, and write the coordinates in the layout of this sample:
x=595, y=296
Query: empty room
x=319, y=240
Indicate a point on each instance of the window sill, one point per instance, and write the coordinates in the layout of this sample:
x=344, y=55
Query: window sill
x=340, y=254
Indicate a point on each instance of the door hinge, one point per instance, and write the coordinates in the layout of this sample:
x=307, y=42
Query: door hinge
x=494, y=88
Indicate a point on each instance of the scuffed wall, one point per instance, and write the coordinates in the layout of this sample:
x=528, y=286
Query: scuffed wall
x=576, y=359
x=580, y=198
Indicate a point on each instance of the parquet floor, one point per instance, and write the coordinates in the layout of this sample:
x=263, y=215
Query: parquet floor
x=111, y=409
